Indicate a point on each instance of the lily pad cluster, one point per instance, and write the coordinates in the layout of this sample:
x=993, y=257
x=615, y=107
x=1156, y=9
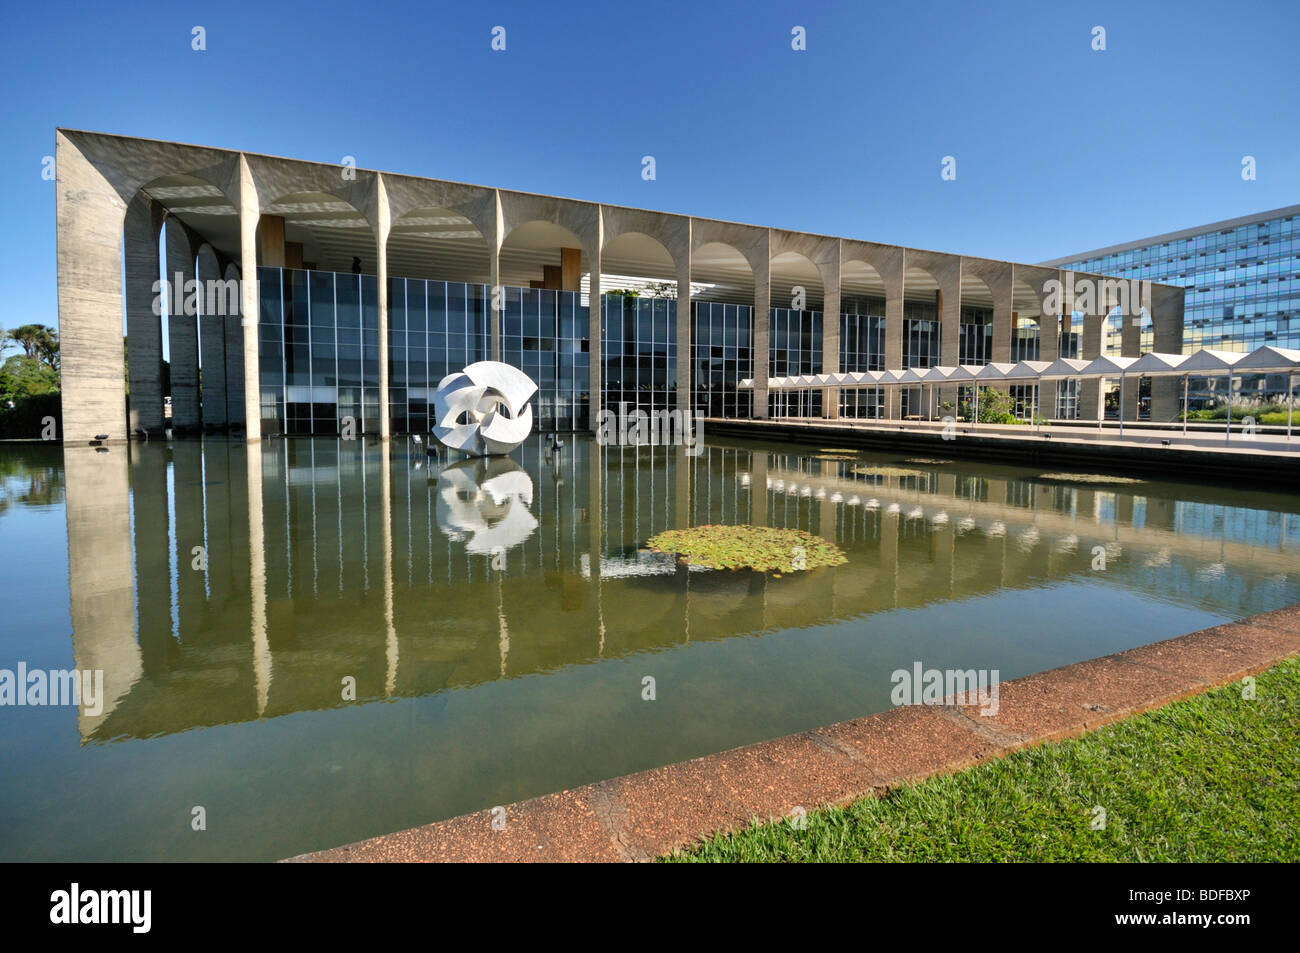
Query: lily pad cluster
x=761, y=548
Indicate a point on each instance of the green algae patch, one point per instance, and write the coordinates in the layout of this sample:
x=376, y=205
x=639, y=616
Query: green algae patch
x=761, y=548
x=1098, y=479
x=874, y=470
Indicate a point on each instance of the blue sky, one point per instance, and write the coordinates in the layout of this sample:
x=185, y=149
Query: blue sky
x=1059, y=148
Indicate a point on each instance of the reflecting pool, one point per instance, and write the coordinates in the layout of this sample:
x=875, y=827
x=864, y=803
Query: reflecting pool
x=317, y=640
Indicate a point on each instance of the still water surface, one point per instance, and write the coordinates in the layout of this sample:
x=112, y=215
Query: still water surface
x=498, y=619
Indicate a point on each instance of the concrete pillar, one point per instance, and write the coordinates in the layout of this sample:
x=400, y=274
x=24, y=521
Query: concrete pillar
x=89, y=217
x=101, y=580
x=249, y=307
x=384, y=225
x=212, y=342
x=141, y=232
x=1091, y=404
x=762, y=336
x=594, y=353
x=1131, y=346
x=496, y=295
x=684, y=362
x=1166, y=307
x=234, y=358
x=894, y=322
x=182, y=330
x=150, y=525
x=831, y=332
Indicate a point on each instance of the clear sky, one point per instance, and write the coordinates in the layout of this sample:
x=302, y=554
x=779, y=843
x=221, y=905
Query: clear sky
x=1059, y=148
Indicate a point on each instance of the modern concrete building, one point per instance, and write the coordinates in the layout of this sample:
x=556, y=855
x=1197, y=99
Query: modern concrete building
x=351, y=264
x=1241, y=277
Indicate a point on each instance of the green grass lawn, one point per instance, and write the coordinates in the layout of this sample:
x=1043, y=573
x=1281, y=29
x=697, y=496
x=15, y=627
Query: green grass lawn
x=1211, y=778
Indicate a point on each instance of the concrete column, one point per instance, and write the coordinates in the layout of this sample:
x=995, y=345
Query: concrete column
x=141, y=232
x=894, y=322
x=1131, y=346
x=149, y=522
x=762, y=336
x=1091, y=405
x=684, y=363
x=495, y=294
x=381, y=244
x=594, y=308
x=831, y=332
x=89, y=233
x=101, y=580
x=1166, y=307
x=234, y=358
x=249, y=307
x=182, y=331
x=212, y=344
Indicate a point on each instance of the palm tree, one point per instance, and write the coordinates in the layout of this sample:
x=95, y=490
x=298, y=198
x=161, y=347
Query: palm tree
x=38, y=342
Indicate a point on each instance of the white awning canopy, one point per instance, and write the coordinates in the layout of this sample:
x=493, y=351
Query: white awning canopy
x=1156, y=364
x=1264, y=360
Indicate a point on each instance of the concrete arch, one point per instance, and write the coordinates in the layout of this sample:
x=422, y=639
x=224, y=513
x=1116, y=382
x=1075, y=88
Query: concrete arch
x=274, y=180
x=930, y=276
x=214, y=304
x=729, y=272
x=477, y=205
x=234, y=336
x=637, y=254
x=581, y=220
x=124, y=165
x=142, y=232
x=182, y=247
x=439, y=242
x=791, y=269
x=319, y=228
x=530, y=247
x=672, y=233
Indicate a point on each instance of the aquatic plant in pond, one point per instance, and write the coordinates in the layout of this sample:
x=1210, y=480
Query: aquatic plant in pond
x=763, y=548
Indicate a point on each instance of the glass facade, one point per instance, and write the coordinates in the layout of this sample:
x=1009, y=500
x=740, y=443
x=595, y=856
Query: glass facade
x=722, y=355
x=318, y=335
x=921, y=334
x=546, y=335
x=1242, y=281
x=976, y=336
x=638, y=340
x=318, y=347
x=862, y=348
x=795, y=347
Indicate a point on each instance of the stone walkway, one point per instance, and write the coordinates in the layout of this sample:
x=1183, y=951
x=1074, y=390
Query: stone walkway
x=641, y=816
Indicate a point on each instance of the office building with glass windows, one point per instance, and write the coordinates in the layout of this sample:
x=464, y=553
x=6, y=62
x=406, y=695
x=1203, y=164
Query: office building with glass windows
x=371, y=287
x=1241, y=277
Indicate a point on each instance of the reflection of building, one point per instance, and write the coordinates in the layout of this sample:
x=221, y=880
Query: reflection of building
x=331, y=564
x=731, y=302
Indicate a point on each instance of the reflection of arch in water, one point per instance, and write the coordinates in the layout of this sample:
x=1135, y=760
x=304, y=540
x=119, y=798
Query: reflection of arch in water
x=485, y=502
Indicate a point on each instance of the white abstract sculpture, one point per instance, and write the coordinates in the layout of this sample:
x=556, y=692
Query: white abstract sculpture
x=484, y=504
x=484, y=409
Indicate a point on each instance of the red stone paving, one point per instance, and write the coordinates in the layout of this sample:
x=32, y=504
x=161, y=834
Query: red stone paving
x=643, y=815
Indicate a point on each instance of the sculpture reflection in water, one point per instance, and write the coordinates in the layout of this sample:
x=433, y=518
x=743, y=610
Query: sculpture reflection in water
x=485, y=504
